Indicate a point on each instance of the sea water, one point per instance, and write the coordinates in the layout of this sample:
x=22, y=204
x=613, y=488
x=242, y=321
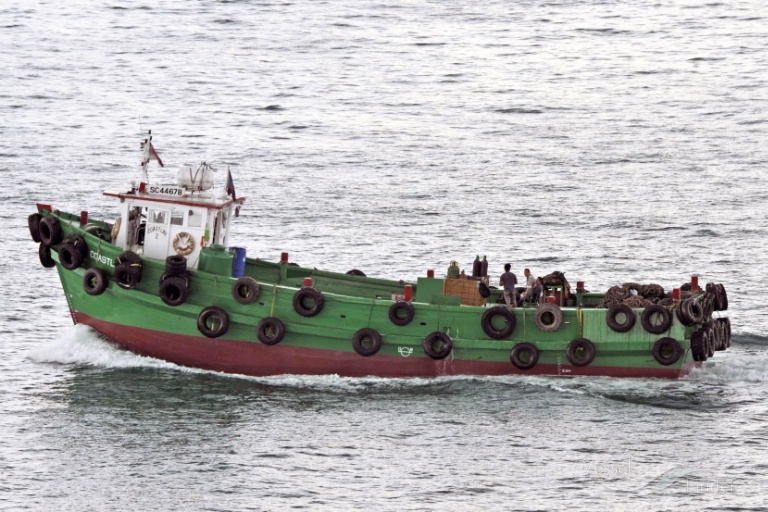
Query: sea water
x=613, y=141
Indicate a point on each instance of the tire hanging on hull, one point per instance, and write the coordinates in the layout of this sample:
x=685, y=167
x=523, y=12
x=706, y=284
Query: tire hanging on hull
x=437, y=345
x=95, y=281
x=270, y=331
x=667, y=351
x=213, y=322
x=401, y=313
x=524, y=356
x=487, y=323
x=366, y=342
x=580, y=352
x=656, y=311
x=615, y=325
x=548, y=317
x=308, y=302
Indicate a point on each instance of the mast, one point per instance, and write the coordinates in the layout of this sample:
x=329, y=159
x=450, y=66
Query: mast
x=149, y=153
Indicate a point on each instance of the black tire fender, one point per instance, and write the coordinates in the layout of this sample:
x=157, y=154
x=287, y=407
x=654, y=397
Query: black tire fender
x=682, y=314
x=72, y=252
x=652, y=311
x=175, y=265
x=44, y=252
x=270, y=330
x=524, y=356
x=722, y=296
x=667, y=351
x=580, y=352
x=613, y=312
x=548, y=317
x=95, y=281
x=127, y=277
x=366, y=341
x=401, y=313
x=213, y=322
x=699, y=348
x=128, y=270
x=174, y=290
x=311, y=295
x=50, y=231
x=694, y=310
x=245, y=290
x=487, y=322
x=34, y=226
x=437, y=345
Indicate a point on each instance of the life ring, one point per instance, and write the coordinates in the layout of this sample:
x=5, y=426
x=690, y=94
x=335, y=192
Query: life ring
x=270, y=330
x=245, y=290
x=183, y=243
x=509, y=322
x=524, y=356
x=213, y=322
x=437, y=345
x=613, y=312
x=667, y=351
x=44, y=252
x=50, y=231
x=116, y=227
x=95, y=281
x=650, y=318
x=174, y=290
x=580, y=352
x=548, y=317
x=308, y=301
x=72, y=252
x=366, y=341
x=699, y=348
x=401, y=313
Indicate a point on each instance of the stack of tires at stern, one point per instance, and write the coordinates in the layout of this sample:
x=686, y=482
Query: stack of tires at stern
x=709, y=334
x=679, y=328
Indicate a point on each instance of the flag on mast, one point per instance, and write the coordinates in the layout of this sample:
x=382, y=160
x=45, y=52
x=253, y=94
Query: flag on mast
x=231, y=190
x=153, y=154
x=230, y=185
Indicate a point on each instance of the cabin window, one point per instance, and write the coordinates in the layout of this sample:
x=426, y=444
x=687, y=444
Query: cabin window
x=177, y=218
x=158, y=217
x=195, y=219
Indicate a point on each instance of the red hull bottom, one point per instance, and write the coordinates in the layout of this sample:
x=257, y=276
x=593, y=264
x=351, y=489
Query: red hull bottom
x=257, y=359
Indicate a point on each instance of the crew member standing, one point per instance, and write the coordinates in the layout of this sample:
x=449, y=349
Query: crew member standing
x=530, y=282
x=508, y=280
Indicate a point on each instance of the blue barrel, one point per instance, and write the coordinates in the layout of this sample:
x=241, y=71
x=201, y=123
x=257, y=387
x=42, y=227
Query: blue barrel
x=238, y=263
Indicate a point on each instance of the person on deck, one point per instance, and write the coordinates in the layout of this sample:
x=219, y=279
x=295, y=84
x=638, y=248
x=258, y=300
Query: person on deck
x=536, y=292
x=530, y=282
x=508, y=280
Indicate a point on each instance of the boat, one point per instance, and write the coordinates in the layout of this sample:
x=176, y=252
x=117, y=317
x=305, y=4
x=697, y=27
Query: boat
x=163, y=280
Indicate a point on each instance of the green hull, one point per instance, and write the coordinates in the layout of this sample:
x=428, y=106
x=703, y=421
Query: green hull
x=322, y=343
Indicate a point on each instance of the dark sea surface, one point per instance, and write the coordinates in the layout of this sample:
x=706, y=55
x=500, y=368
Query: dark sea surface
x=614, y=141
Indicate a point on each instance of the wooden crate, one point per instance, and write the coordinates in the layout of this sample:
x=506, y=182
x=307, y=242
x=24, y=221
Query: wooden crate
x=465, y=289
